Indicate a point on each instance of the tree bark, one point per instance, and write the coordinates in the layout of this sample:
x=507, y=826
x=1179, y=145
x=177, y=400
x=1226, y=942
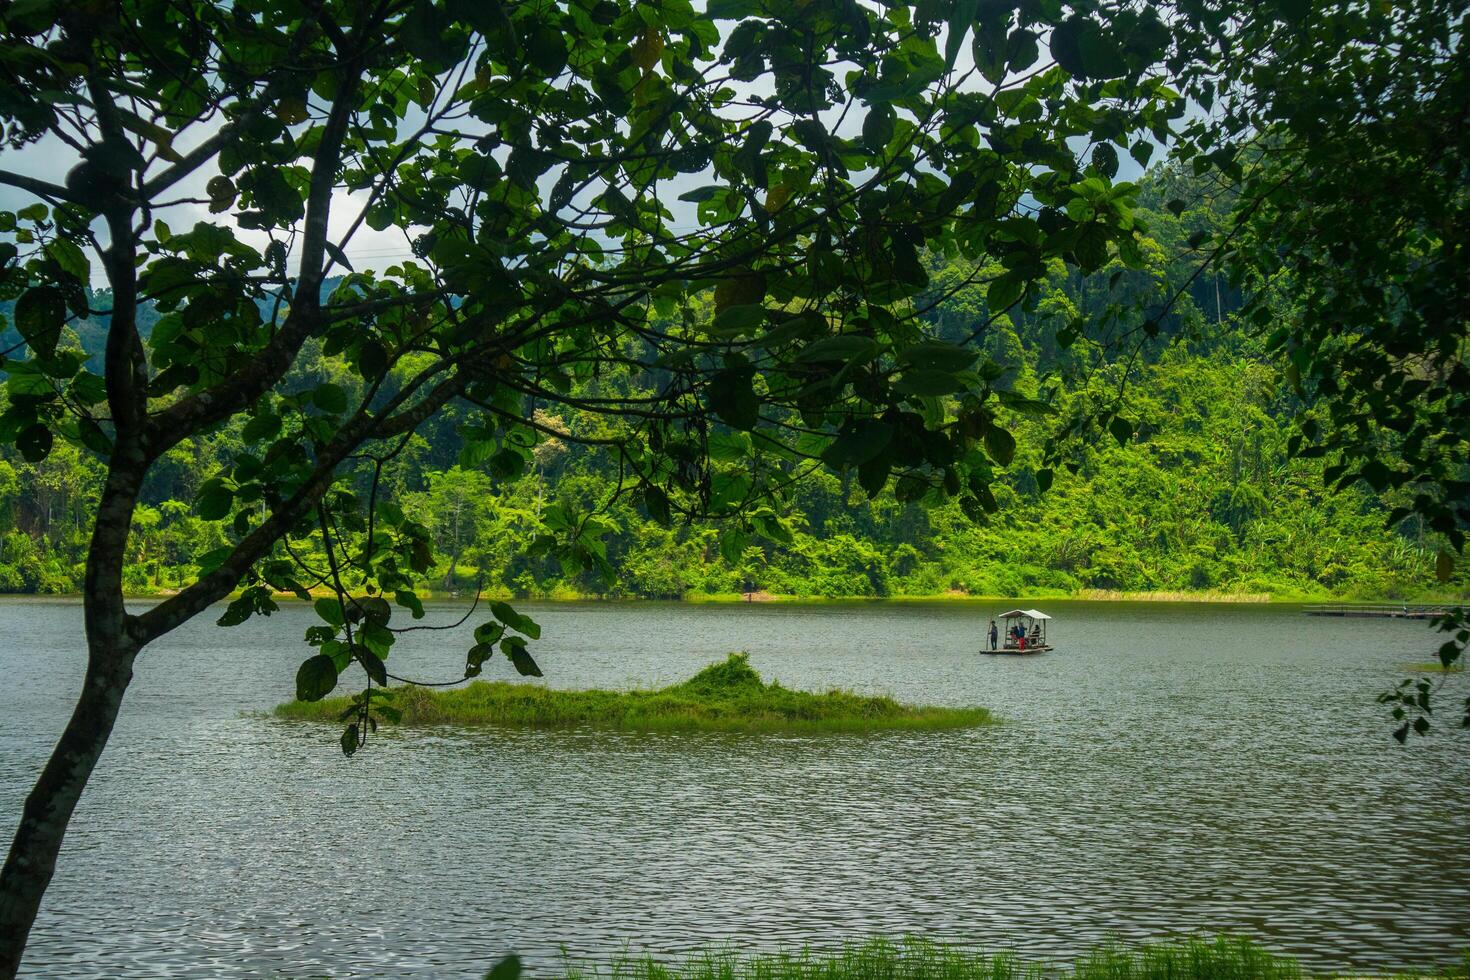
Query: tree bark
x=48, y=809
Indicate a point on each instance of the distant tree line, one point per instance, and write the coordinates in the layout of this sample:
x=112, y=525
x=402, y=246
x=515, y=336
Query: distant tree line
x=1199, y=494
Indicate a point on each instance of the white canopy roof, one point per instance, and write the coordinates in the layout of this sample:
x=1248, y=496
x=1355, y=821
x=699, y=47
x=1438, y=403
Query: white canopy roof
x=1018, y=613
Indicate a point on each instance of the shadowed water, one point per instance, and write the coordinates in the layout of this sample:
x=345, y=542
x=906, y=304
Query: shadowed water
x=1173, y=768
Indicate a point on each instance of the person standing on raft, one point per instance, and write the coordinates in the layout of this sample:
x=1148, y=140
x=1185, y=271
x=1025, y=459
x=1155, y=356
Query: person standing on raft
x=994, y=635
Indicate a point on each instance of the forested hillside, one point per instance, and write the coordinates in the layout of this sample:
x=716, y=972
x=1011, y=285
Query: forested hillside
x=1189, y=489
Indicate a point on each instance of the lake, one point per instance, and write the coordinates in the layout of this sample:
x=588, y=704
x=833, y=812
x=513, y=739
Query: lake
x=1172, y=768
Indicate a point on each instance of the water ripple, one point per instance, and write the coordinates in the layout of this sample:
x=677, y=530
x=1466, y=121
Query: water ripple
x=1173, y=769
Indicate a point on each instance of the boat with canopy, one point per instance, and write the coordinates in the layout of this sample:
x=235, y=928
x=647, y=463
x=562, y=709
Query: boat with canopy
x=1022, y=631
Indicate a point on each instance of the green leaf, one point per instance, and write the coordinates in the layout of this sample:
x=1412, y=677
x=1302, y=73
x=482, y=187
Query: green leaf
x=1044, y=479
x=1377, y=475
x=523, y=662
x=873, y=475
x=372, y=360
x=349, y=740
x=214, y=500
x=729, y=447
x=373, y=664
x=728, y=489
x=510, y=967
x=72, y=260
x=1101, y=55
x=329, y=397
x=236, y=612
x=733, y=399
x=522, y=624
x=376, y=637
x=277, y=200
x=748, y=158
x=1000, y=444
x=656, y=502
x=732, y=546
x=211, y=560
x=316, y=678
x=221, y=191
x=39, y=315
x=1294, y=10
x=27, y=380
x=409, y=600
x=330, y=611
x=34, y=443
x=1092, y=248
x=928, y=382
x=90, y=434
x=1121, y=429
x=1065, y=44
x=1004, y=292
x=847, y=347
x=936, y=355
x=733, y=321
x=507, y=464
x=862, y=442
x=705, y=193
x=1021, y=50
x=962, y=13
x=547, y=48
x=262, y=427
x=878, y=127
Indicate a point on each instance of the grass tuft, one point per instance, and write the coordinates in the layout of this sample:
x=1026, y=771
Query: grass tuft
x=723, y=697
x=1223, y=958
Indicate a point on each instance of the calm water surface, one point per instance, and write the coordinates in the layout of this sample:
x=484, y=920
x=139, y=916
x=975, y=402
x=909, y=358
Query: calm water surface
x=1173, y=768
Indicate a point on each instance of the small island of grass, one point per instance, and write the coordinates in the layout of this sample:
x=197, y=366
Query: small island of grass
x=724, y=697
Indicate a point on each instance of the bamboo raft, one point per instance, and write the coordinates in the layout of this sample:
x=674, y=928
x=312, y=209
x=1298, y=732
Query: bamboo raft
x=1013, y=646
x=1017, y=651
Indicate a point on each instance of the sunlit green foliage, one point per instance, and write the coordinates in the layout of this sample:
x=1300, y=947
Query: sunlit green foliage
x=1200, y=494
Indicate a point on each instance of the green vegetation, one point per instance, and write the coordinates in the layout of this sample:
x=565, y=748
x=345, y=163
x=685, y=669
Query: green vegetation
x=1222, y=958
x=1435, y=667
x=724, y=697
x=1201, y=496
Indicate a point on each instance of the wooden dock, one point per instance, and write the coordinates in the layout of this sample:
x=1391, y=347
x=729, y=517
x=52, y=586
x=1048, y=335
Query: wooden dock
x=1376, y=610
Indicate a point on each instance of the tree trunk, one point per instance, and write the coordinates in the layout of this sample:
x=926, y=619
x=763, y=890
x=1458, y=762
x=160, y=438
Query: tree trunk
x=48, y=809
x=112, y=647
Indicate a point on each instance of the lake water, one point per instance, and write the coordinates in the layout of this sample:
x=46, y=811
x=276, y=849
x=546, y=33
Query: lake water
x=1171, y=769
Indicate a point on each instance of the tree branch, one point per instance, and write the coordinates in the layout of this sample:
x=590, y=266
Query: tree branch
x=36, y=186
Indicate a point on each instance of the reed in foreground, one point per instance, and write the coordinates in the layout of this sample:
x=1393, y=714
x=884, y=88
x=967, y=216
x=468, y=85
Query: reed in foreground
x=1223, y=958
x=724, y=697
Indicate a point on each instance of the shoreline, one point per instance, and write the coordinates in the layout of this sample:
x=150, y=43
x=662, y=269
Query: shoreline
x=767, y=598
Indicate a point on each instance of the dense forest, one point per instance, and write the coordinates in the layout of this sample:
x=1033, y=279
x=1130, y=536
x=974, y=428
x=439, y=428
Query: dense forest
x=1191, y=489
